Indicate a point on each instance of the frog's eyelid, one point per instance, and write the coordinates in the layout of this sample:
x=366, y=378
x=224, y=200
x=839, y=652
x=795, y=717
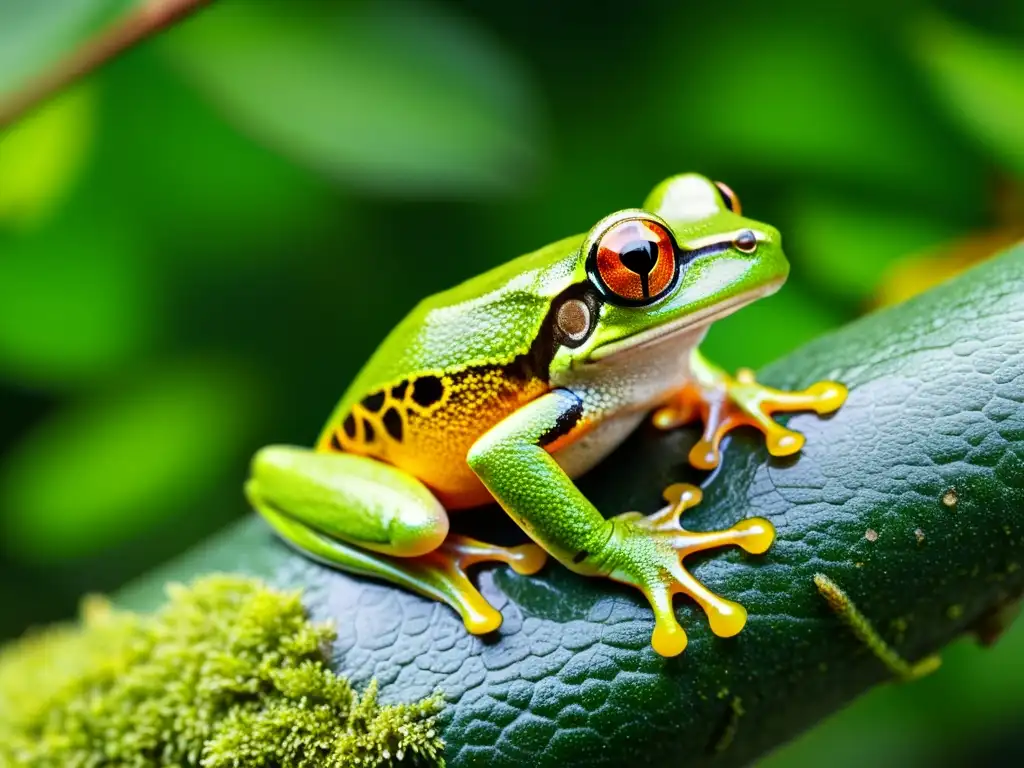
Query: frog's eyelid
x=729, y=198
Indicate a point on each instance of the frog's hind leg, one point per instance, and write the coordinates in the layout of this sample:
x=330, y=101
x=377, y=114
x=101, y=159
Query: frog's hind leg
x=365, y=517
x=725, y=402
x=439, y=574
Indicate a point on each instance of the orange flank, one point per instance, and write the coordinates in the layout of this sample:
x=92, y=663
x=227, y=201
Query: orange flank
x=427, y=425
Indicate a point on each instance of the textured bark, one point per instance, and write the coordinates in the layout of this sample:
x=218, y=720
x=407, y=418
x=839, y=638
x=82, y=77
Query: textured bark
x=911, y=499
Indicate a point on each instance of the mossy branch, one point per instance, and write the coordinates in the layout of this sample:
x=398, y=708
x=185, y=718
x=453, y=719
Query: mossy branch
x=228, y=674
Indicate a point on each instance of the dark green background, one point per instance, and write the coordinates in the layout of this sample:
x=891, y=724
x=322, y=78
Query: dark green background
x=201, y=244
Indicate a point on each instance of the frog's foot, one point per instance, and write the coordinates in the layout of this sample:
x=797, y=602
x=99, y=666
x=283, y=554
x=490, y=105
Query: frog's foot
x=441, y=574
x=647, y=552
x=724, y=403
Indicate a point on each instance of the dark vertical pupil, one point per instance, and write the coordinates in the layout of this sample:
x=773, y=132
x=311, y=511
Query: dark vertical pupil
x=640, y=256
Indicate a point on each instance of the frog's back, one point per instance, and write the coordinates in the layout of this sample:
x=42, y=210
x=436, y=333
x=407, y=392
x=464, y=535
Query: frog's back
x=459, y=363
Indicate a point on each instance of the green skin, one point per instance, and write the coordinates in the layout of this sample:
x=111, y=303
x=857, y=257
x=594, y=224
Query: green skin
x=365, y=516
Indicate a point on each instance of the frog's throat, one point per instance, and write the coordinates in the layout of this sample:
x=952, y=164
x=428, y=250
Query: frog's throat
x=694, y=324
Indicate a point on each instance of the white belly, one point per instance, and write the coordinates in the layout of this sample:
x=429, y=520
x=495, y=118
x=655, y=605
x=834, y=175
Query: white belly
x=618, y=393
x=589, y=450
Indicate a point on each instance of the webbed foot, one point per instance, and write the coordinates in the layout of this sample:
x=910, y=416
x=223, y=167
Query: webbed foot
x=647, y=552
x=442, y=575
x=725, y=402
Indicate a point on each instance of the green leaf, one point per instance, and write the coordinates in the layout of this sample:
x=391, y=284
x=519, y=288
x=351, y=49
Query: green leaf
x=34, y=35
x=210, y=196
x=77, y=300
x=977, y=79
x=766, y=92
x=846, y=247
x=41, y=156
x=101, y=471
x=936, y=403
x=392, y=97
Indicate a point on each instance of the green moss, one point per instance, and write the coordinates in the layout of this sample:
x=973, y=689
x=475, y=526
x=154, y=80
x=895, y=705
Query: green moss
x=228, y=673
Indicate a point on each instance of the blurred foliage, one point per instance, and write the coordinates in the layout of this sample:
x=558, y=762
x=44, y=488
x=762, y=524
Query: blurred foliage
x=370, y=81
x=36, y=35
x=42, y=155
x=201, y=244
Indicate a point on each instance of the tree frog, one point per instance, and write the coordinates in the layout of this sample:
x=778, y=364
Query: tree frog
x=510, y=385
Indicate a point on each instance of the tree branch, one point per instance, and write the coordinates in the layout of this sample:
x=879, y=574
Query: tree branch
x=143, y=22
x=900, y=528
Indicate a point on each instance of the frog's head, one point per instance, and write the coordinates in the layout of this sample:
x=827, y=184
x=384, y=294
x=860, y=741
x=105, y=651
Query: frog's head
x=665, y=271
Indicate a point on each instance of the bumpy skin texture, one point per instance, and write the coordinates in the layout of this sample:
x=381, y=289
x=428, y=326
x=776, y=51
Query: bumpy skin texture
x=936, y=403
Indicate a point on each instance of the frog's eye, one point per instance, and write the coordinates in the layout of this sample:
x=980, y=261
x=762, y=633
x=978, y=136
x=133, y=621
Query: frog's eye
x=732, y=202
x=634, y=262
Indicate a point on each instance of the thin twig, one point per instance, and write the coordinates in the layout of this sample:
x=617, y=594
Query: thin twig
x=841, y=603
x=148, y=19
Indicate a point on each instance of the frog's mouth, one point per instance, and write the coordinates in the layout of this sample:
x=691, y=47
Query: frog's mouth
x=694, y=325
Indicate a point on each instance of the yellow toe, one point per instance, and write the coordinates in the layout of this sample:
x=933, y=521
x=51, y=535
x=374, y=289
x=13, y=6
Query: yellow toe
x=758, y=535
x=527, y=559
x=480, y=621
x=783, y=442
x=728, y=619
x=829, y=395
x=668, y=639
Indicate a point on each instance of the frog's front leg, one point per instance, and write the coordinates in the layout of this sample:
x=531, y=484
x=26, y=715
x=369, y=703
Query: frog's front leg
x=725, y=402
x=646, y=552
x=366, y=517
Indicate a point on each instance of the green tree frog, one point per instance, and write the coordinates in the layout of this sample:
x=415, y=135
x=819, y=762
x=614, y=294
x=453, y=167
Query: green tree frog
x=510, y=385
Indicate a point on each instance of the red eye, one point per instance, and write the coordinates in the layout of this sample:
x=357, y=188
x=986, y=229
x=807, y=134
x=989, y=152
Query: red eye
x=729, y=198
x=635, y=261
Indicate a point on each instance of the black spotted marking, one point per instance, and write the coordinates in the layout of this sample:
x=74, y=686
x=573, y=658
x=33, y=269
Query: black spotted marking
x=427, y=390
x=398, y=391
x=373, y=402
x=393, y=424
x=563, y=424
x=349, y=425
x=581, y=556
x=369, y=435
x=335, y=442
